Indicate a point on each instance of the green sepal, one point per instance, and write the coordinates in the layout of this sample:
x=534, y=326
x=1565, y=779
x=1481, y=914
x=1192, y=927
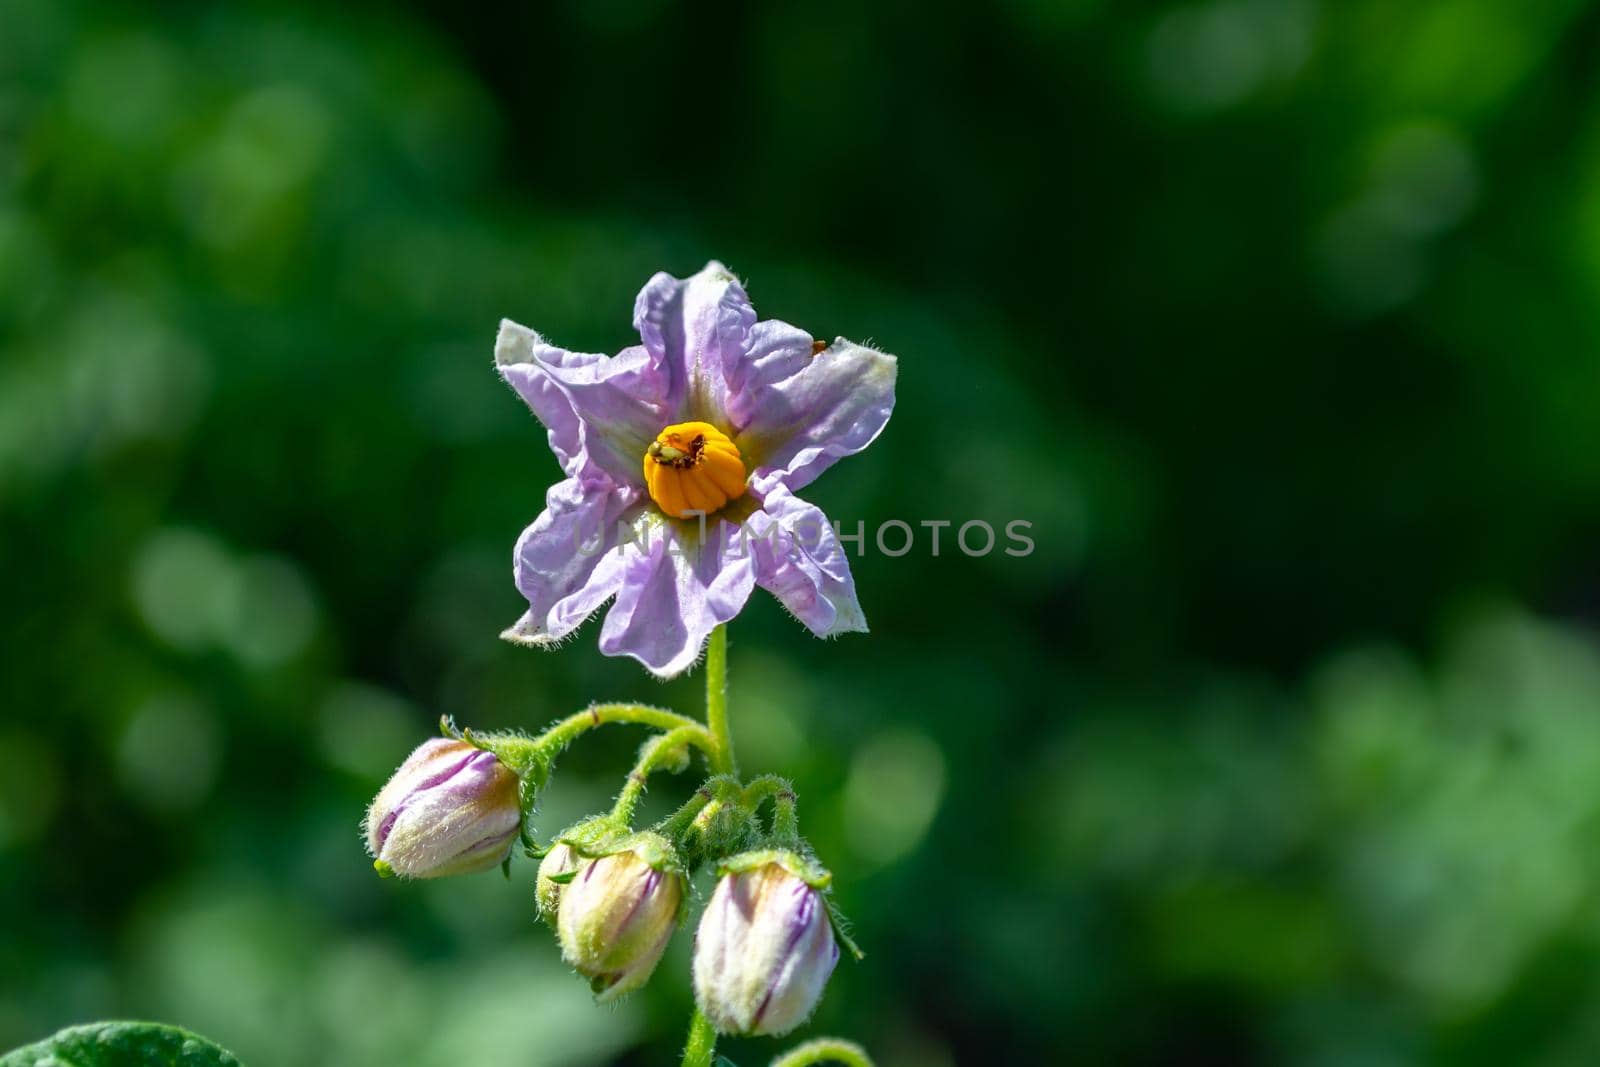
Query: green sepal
x=597, y=835
x=528, y=803
x=505, y=866
x=563, y=878
x=521, y=755
x=841, y=928
x=655, y=850
x=601, y=835
x=723, y=1061
x=802, y=865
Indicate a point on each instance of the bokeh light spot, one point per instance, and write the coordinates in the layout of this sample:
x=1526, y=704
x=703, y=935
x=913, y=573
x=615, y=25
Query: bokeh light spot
x=170, y=753
x=187, y=588
x=895, y=786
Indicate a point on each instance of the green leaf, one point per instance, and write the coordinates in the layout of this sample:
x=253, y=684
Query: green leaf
x=121, y=1044
x=723, y=1061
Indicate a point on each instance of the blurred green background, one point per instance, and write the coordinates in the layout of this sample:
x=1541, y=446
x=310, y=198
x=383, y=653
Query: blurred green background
x=1278, y=319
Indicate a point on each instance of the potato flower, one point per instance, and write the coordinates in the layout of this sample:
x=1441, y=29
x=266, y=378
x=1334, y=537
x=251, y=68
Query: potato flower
x=683, y=456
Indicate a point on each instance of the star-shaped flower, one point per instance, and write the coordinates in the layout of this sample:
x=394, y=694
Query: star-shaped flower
x=682, y=457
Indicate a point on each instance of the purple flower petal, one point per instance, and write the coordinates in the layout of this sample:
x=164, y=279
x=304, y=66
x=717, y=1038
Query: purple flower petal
x=673, y=594
x=601, y=412
x=834, y=407
x=460, y=760
x=572, y=559
x=697, y=329
x=800, y=560
x=775, y=352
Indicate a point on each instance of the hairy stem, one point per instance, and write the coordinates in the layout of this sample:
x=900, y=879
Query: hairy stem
x=722, y=760
x=674, y=825
x=657, y=751
x=702, y=1044
x=561, y=734
x=785, y=819
x=825, y=1050
x=764, y=786
x=785, y=827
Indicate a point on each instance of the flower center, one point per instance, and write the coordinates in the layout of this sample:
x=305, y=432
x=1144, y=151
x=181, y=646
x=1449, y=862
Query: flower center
x=693, y=467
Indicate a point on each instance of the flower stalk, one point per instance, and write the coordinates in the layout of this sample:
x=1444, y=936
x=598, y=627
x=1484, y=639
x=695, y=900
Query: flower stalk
x=664, y=750
x=565, y=731
x=785, y=819
x=676, y=825
x=722, y=760
x=702, y=1043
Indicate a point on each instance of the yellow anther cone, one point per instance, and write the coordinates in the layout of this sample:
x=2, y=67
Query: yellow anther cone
x=693, y=467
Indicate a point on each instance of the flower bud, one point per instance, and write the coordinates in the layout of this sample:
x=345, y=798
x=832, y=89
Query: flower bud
x=616, y=918
x=451, y=808
x=763, y=952
x=560, y=860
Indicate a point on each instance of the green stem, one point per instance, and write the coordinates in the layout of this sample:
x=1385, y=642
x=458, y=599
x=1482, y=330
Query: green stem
x=560, y=735
x=722, y=760
x=825, y=1050
x=656, y=751
x=764, y=786
x=675, y=825
x=702, y=1044
x=702, y=820
x=785, y=819
x=785, y=826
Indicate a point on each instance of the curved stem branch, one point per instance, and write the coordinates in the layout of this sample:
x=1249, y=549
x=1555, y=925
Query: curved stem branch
x=825, y=1050
x=656, y=752
x=702, y=1042
x=722, y=760
x=764, y=786
x=674, y=825
x=562, y=733
x=785, y=823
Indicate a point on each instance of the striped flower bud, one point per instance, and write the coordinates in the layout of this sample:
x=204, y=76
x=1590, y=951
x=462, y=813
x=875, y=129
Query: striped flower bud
x=451, y=808
x=763, y=952
x=616, y=917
